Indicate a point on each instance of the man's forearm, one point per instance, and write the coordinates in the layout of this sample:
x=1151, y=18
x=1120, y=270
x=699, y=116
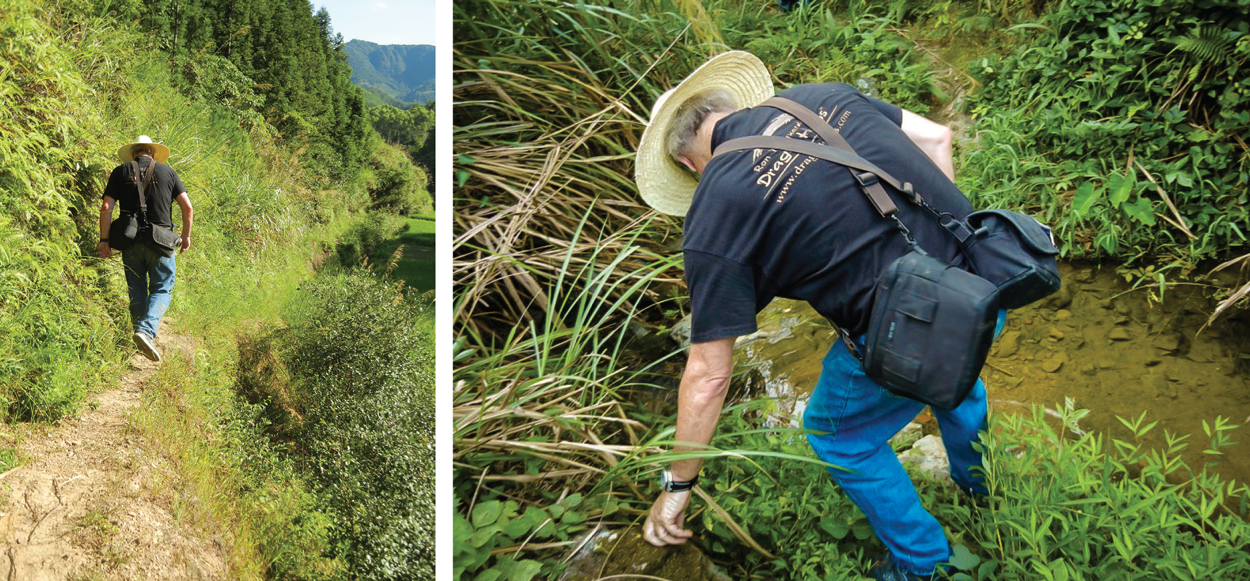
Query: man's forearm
x=188, y=216
x=699, y=403
x=699, y=406
x=106, y=220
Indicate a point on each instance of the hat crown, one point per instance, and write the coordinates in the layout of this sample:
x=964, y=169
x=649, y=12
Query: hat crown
x=144, y=139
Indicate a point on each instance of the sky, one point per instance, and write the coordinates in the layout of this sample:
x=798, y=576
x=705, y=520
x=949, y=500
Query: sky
x=381, y=21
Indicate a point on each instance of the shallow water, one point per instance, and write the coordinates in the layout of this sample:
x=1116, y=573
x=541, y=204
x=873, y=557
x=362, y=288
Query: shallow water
x=1114, y=351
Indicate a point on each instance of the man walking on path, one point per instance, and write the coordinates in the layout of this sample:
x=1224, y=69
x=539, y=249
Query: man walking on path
x=149, y=268
x=766, y=223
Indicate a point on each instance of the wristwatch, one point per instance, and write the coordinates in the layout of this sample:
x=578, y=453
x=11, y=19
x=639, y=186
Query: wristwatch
x=104, y=240
x=669, y=485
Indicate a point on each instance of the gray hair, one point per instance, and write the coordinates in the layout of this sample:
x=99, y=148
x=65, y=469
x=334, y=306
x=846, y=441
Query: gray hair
x=690, y=117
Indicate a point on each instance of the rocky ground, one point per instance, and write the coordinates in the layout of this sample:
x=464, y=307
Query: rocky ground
x=92, y=501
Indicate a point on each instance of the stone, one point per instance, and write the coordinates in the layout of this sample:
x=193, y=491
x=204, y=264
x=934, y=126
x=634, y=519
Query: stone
x=1063, y=315
x=1160, y=385
x=1009, y=344
x=1122, y=320
x=1089, y=369
x=1106, y=364
x=1056, y=334
x=1167, y=342
x=1122, y=308
x=1054, y=363
x=1118, y=334
x=928, y=455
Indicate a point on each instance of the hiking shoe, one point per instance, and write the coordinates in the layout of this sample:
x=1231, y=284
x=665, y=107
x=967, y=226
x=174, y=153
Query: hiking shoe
x=144, y=343
x=886, y=569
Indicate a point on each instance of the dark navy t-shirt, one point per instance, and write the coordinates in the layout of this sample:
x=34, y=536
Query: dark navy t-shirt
x=768, y=223
x=160, y=195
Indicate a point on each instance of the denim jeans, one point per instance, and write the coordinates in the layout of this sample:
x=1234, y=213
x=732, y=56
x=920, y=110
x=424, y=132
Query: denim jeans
x=150, y=278
x=857, y=418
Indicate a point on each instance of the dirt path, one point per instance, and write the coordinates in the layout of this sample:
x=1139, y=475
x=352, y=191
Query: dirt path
x=92, y=502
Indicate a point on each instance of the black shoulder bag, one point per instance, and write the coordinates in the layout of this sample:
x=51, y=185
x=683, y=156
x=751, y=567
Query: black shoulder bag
x=932, y=324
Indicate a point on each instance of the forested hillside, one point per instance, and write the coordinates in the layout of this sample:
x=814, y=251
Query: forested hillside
x=294, y=433
x=402, y=71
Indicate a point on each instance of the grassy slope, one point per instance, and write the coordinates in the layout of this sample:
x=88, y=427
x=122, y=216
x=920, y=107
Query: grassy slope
x=416, y=265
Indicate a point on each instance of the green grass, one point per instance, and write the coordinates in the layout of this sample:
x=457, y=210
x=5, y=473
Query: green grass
x=417, y=265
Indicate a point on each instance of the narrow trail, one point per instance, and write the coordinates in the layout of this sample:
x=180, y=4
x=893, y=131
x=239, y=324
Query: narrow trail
x=93, y=501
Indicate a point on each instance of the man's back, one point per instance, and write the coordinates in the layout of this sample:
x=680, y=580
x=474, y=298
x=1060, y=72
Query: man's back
x=159, y=195
x=770, y=223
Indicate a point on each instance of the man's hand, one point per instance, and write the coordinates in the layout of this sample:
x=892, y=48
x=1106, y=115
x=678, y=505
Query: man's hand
x=103, y=250
x=665, y=521
x=186, y=242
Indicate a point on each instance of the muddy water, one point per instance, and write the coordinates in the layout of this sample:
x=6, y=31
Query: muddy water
x=1114, y=351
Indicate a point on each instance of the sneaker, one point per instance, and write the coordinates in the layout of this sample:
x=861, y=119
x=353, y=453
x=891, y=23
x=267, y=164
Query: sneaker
x=144, y=343
x=886, y=569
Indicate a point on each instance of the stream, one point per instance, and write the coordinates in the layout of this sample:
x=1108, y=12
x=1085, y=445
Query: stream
x=1116, y=351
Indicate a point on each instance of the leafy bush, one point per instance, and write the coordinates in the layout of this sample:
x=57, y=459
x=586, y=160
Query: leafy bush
x=398, y=185
x=366, y=235
x=364, y=380
x=1120, y=122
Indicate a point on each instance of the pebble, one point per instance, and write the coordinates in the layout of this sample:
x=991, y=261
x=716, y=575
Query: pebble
x=1063, y=315
x=1056, y=334
x=1118, y=334
x=1167, y=342
x=1106, y=364
x=1053, y=364
x=1009, y=344
x=1089, y=369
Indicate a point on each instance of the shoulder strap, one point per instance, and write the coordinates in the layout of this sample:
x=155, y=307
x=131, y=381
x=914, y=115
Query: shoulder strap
x=867, y=176
x=143, y=181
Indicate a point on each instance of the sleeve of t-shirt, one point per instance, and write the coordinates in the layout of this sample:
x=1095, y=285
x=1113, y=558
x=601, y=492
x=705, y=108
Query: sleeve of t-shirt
x=893, y=112
x=722, y=297
x=113, y=188
x=177, y=186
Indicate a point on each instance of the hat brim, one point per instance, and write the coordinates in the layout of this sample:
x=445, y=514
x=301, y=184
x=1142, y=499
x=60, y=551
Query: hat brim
x=662, y=183
x=127, y=152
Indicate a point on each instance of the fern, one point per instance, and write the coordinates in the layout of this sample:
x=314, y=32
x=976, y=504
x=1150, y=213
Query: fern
x=1210, y=44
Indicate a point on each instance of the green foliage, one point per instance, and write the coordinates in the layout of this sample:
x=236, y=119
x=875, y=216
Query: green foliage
x=364, y=237
x=815, y=44
x=397, y=185
x=497, y=524
x=286, y=65
x=1109, y=111
x=56, y=338
x=412, y=129
x=365, y=383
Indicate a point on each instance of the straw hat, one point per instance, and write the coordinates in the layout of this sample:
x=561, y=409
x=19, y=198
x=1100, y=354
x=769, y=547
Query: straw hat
x=159, y=152
x=662, y=182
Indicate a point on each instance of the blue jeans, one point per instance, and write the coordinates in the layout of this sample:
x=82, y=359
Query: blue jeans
x=857, y=418
x=150, y=278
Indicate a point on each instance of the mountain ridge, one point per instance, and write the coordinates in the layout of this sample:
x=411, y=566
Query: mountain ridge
x=402, y=71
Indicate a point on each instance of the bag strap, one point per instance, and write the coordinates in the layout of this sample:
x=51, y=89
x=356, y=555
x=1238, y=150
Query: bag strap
x=958, y=228
x=143, y=183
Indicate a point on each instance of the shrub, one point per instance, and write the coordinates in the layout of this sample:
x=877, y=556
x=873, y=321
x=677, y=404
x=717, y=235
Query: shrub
x=364, y=380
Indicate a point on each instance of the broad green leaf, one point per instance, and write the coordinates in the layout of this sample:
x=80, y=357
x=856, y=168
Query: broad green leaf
x=513, y=570
x=1084, y=198
x=1120, y=187
x=487, y=513
x=963, y=559
x=1141, y=210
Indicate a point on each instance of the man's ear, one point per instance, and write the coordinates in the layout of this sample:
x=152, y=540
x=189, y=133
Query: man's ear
x=686, y=162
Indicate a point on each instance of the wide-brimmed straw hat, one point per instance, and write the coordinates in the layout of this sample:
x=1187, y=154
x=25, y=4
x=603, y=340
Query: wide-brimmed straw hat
x=663, y=183
x=159, y=152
